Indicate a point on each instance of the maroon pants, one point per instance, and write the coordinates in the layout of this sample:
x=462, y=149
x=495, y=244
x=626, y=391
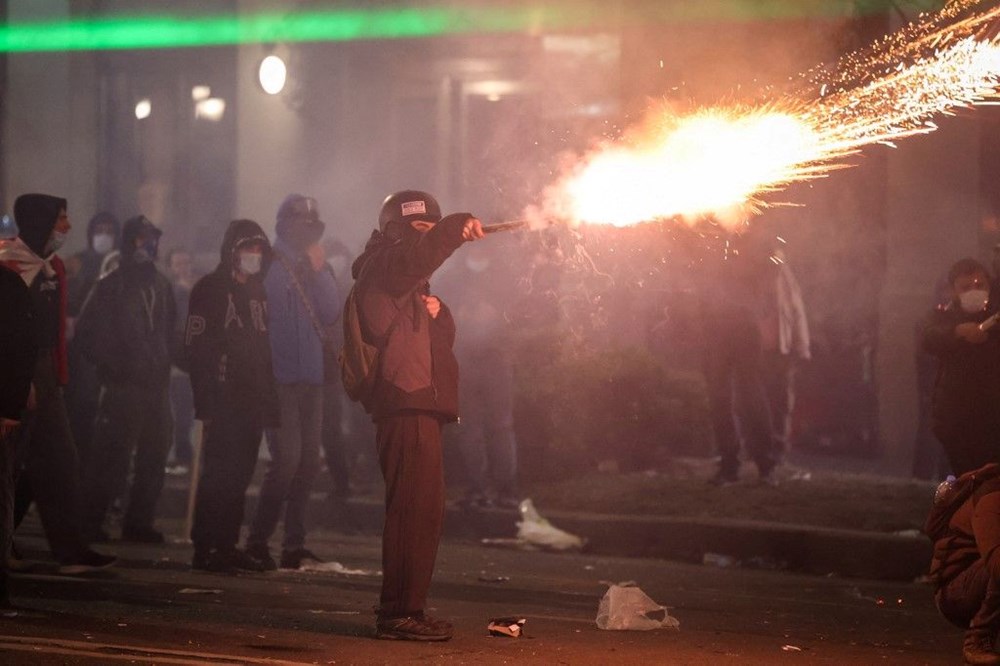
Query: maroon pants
x=409, y=451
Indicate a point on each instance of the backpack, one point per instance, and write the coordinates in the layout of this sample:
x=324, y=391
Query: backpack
x=358, y=359
x=951, y=495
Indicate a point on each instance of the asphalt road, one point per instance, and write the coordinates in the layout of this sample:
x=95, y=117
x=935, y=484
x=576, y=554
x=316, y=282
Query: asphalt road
x=152, y=610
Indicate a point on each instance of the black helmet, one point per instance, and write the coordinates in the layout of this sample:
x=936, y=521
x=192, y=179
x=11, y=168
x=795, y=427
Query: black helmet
x=408, y=206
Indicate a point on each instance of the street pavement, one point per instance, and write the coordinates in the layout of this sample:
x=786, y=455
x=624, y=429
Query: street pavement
x=151, y=609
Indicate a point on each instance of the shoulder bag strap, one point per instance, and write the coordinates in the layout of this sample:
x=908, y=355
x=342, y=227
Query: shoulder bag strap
x=302, y=296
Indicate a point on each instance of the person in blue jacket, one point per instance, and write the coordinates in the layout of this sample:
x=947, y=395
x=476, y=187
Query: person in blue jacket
x=303, y=302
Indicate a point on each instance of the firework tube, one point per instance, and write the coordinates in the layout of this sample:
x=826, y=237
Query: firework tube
x=989, y=322
x=505, y=226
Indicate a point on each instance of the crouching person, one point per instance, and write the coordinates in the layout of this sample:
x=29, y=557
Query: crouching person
x=964, y=525
x=229, y=357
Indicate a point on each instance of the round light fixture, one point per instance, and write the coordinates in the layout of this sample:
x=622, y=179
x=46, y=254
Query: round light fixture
x=272, y=74
x=212, y=109
x=143, y=108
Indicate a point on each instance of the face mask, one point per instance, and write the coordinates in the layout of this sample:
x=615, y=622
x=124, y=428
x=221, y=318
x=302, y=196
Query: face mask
x=56, y=241
x=103, y=243
x=250, y=262
x=974, y=300
x=146, y=252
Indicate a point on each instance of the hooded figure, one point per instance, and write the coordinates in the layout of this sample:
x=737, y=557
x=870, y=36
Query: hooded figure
x=50, y=467
x=126, y=330
x=84, y=267
x=32, y=256
x=227, y=349
x=228, y=355
x=127, y=324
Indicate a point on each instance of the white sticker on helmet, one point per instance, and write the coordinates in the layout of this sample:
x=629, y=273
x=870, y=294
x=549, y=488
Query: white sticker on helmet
x=414, y=208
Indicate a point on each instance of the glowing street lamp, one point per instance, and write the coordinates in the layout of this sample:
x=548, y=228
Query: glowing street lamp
x=143, y=108
x=272, y=74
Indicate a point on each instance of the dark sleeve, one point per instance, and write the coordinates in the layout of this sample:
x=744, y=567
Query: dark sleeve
x=444, y=324
x=413, y=263
x=96, y=333
x=204, y=345
x=175, y=341
x=939, y=334
x=18, y=345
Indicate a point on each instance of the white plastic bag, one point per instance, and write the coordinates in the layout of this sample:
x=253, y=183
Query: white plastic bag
x=625, y=606
x=534, y=529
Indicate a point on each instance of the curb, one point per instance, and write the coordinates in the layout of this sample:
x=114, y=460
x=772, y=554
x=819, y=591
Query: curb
x=753, y=544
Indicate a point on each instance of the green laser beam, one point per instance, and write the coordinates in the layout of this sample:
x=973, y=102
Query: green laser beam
x=337, y=25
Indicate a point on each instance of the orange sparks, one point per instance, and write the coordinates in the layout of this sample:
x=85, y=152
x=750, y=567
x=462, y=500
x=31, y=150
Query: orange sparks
x=721, y=161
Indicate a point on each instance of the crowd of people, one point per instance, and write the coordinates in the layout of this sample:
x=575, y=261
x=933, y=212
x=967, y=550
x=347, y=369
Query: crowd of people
x=107, y=359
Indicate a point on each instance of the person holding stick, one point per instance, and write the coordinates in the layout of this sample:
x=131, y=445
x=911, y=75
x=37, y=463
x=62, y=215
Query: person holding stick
x=228, y=352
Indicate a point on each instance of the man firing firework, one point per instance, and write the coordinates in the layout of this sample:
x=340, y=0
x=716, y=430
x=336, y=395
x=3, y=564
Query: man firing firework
x=415, y=392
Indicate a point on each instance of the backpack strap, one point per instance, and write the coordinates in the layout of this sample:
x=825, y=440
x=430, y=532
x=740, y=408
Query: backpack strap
x=306, y=303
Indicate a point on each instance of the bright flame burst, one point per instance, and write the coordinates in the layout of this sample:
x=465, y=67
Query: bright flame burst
x=721, y=161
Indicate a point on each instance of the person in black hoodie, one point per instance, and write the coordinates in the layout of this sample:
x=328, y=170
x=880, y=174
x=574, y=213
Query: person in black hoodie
x=964, y=414
x=416, y=391
x=18, y=352
x=228, y=353
x=126, y=330
x=46, y=451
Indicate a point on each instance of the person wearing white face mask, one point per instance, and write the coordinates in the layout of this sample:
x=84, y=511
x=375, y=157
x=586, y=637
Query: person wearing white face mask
x=228, y=355
x=965, y=413
x=84, y=267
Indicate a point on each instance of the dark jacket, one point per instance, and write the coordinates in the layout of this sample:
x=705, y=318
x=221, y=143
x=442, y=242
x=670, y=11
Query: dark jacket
x=228, y=352
x=417, y=368
x=88, y=264
x=967, y=389
x=973, y=533
x=36, y=216
x=18, y=345
x=127, y=325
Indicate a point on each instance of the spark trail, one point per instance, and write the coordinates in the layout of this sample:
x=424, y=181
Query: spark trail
x=724, y=161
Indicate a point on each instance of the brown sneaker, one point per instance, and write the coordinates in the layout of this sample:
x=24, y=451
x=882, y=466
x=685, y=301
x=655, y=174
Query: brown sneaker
x=412, y=628
x=978, y=648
